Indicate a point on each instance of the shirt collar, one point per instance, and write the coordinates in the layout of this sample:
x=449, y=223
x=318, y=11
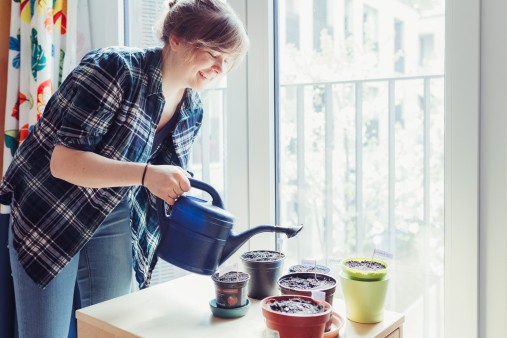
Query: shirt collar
x=154, y=59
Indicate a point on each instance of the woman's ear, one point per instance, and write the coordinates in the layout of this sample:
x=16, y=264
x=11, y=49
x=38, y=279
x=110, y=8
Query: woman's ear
x=174, y=42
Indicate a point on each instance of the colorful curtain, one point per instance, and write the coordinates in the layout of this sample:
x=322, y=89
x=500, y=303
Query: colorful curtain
x=42, y=51
x=47, y=39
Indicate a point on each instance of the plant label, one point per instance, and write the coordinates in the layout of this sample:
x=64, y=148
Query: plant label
x=382, y=254
x=319, y=295
x=227, y=268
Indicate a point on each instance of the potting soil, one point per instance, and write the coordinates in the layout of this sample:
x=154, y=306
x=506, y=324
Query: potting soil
x=296, y=305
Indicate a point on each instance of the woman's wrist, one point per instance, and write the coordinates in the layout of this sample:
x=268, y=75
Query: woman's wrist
x=144, y=173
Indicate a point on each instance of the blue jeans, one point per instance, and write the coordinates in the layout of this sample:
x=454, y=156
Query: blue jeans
x=102, y=271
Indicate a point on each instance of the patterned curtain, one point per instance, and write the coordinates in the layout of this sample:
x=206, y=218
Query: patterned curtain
x=42, y=51
x=47, y=39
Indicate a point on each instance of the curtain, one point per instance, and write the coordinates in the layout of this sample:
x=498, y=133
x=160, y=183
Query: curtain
x=45, y=44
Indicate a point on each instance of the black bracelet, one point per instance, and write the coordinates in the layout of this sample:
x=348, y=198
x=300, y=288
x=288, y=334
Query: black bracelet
x=144, y=174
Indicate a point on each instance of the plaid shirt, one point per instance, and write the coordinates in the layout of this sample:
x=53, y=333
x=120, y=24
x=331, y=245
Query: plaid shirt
x=110, y=105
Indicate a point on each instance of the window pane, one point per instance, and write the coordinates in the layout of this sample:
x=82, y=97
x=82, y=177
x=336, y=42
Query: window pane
x=361, y=143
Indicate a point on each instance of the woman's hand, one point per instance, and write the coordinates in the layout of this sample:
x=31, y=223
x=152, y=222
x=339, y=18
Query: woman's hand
x=91, y=170
x=167, y=182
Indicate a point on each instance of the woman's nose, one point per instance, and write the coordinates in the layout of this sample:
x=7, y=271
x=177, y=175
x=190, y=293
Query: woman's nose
x=219, y=65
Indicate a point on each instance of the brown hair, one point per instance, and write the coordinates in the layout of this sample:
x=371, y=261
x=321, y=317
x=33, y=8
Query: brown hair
x=211, y=24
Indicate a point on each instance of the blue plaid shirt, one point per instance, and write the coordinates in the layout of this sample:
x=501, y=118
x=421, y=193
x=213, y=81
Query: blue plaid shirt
x=110, y=105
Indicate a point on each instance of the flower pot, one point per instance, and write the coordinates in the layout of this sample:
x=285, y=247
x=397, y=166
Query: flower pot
x=364, y=268
x=299, y=323
x=306, y=283
x=264, y=268
x=309, y=268
x=230, y=289
x=364, y=299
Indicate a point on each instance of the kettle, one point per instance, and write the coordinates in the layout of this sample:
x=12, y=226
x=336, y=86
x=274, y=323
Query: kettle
x=197, y=235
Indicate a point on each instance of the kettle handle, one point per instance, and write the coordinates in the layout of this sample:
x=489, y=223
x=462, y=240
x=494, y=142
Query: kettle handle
x=215, y=196
x=216, y=199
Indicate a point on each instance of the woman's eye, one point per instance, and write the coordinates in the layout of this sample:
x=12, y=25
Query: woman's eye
x=213, y=56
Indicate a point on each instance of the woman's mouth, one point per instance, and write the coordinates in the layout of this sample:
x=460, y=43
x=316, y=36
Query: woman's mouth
x=204, y=76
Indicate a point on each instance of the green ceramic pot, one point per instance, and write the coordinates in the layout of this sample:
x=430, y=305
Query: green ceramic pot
x=367, y=269
x=364, y=300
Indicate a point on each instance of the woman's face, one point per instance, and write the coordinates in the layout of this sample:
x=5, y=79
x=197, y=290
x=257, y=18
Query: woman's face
x=198, y=68
x=205, y=67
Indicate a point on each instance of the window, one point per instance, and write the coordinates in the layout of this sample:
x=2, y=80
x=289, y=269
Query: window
x=399, y=58
x=361, y=147
x=426, y=47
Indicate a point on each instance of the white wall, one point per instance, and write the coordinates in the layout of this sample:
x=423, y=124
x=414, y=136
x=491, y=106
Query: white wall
x=493, y=171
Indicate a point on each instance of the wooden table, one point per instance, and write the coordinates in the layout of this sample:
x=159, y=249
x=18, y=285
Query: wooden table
x=180, y=308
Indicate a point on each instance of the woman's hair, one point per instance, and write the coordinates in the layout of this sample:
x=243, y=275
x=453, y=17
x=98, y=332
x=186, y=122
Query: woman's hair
x=210, y=24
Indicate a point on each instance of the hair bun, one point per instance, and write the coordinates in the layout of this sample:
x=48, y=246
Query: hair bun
x=171, y=3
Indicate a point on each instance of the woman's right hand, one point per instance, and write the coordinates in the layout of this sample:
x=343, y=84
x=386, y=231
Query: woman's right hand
x=167, y=182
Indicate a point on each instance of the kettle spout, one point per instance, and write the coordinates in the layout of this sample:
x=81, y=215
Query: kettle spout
x=234, y=242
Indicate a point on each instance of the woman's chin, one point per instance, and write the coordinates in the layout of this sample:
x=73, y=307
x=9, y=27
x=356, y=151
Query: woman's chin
x=201, y=85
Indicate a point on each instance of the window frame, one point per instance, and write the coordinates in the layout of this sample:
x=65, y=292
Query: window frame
x=462, y=107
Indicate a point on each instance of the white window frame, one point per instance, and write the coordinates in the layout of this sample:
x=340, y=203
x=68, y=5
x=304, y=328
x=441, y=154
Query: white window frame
x=462, y=97
x=493, y=172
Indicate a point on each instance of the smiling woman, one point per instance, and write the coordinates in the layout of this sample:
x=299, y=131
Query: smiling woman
x=115, y=136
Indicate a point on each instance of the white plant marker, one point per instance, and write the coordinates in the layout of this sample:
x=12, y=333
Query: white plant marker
x=319, y=295
x=382, y=254
x=228, y=268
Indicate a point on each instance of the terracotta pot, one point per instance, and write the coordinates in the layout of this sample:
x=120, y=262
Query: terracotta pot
x=323, y=283
x=230, y=289
x=295, y=325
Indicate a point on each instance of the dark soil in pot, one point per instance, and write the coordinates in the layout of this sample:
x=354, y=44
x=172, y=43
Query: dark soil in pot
x=307, y=281
x=231, y=289
x=231, y=277
x=262, y=256
x=309, y=268
x=296, y=316
x=296, y=306
x=365, y=265
x=365, y=268
x=264, y=267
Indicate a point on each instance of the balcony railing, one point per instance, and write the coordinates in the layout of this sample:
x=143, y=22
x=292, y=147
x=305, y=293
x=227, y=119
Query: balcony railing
x=368, y=159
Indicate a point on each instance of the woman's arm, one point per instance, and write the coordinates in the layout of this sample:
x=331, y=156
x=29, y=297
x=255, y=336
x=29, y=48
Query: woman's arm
x=91, y=170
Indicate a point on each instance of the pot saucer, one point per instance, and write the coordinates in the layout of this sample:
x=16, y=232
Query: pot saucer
x=228, y=313
x=336, y=325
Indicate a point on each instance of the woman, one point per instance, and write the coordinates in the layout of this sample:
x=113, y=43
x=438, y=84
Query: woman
x=115, y=135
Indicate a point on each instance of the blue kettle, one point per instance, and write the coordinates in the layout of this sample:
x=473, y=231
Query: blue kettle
x=197, y=235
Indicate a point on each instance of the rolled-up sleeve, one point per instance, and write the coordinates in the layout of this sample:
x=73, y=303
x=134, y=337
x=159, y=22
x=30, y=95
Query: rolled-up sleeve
x=91, y=100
